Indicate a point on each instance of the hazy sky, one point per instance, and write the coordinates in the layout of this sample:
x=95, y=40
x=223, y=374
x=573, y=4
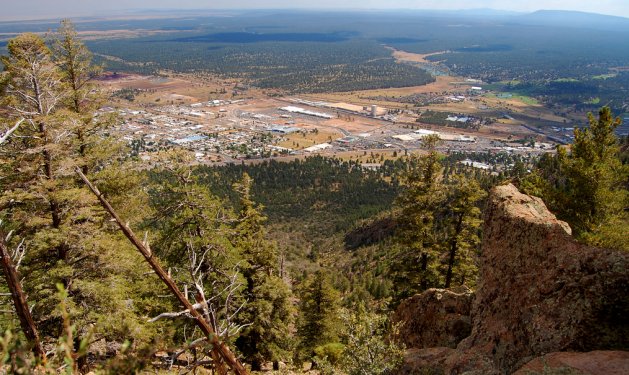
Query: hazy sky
x=20, y=9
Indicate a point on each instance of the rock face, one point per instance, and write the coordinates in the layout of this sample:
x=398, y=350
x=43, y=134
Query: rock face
x=539, y=292
x=591, y=363
x=437, y=317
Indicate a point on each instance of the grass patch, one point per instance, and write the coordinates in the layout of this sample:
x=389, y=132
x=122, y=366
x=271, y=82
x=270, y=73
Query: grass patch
x=566, y=80
x=512, y=82
x=509, y=96
x=605, y=76
x=593, y=101
x=526, y=99
x=301, y=140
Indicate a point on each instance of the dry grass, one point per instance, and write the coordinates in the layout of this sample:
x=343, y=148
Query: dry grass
x=299, y=141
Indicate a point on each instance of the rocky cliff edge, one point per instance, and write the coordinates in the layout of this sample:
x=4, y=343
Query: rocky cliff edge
x=539, y=292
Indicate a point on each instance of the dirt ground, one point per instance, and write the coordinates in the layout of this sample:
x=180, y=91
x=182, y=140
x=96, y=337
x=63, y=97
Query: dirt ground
x=174, y=89
x=413, y=57
x=361, y=98
x=299, y=141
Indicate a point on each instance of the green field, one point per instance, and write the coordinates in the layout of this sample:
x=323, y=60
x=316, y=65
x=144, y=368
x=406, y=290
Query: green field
x=522, y=98
x=566, y=80
x=605, y=76
x=593, y=101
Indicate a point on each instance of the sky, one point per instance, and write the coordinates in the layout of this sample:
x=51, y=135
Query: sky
x=30, y=9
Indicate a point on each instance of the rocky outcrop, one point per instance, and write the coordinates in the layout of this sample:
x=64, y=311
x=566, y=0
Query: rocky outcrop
x=441, y=361
x=437, y=317
x=591, y=363
x=539, y=292
x=370, y=233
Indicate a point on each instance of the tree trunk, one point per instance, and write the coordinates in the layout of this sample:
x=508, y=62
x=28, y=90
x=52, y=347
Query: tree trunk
x=81, y=360
x=19, y=301
x=453, y=247
x=54, y=205
x=256, y=365
x=424, y=268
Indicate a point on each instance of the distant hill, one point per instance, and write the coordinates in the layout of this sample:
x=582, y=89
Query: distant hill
x=563, y=18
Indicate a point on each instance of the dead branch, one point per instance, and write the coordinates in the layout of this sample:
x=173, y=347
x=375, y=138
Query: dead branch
x=220, y=351
x=8, y=133
x=220, y=301
x=196, y=306
x=193, y=345
x=19, y=301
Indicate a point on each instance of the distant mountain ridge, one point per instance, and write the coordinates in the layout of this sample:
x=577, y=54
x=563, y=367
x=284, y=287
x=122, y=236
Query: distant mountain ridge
x=565, y=18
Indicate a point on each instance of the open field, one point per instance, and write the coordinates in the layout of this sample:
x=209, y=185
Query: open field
x=171, y=89
x=442, y=84
x=403, y=56
x=299, y=141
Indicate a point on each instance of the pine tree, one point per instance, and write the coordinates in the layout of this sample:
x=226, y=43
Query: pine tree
x=32, y=89
x=412, y=264
x=269, y=309
x=83, y=99
x=587, y=185
x=67, y=236
x=319, y=314
x=460, y=227
x=193, y=228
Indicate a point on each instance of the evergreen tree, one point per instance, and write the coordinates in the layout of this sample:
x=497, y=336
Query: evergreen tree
x=83, y=97
x=587, y=185
x=460, y=226
x=413, y=263
x=319, y=309
x=269, y=311
x=193, y=229
x=67, y=236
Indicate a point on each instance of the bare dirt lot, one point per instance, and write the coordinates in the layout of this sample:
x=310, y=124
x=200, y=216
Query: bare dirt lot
x=173, y=89
x=413, y=57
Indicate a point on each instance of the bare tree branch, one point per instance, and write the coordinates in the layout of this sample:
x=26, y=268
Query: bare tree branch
x=8, y=133
x=196, y=306
x=19, y=301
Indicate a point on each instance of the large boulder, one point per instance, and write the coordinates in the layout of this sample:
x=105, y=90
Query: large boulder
x=539, y=292
x=435, y=318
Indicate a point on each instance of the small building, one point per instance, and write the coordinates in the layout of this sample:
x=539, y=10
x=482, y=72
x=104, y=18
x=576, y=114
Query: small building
x=284, y=129
x=190, y=139
x=346, y=140
x=476, y=164
x=404, y=137
x=316, y=148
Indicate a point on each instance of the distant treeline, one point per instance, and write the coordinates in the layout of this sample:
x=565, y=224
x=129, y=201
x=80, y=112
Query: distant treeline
x=313, y=64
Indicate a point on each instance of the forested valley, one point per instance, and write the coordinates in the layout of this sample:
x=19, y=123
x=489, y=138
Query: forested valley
x=115, y=268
